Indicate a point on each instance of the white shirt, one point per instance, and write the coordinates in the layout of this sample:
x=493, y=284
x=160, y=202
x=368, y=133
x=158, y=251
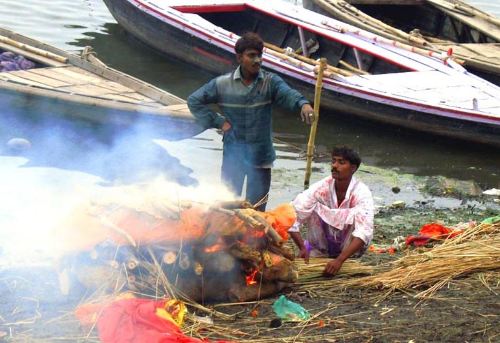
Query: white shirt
x=319, y=203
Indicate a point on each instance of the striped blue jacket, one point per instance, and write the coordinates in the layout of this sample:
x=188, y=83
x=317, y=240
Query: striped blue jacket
x=247, y=109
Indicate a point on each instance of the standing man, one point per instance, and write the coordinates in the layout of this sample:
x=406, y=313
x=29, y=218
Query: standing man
x=337, y=213
x=245, y=97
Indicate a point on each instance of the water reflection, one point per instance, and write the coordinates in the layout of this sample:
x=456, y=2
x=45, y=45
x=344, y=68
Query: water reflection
x=380, y=145
x=113, y=153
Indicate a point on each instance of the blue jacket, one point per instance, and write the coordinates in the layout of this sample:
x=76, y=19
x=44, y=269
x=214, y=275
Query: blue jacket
x=247, y=109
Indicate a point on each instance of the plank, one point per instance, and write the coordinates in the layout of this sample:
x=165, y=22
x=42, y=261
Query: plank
x=32, y=76
x=130, y=98
x=88, y=89
x=136, y=96
x=94, y=79
x=58, y=74
x=113, y=86
x=78, y=73
x=8, y=76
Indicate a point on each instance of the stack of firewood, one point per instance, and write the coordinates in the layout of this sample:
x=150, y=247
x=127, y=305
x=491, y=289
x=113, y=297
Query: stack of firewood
x=222, y=252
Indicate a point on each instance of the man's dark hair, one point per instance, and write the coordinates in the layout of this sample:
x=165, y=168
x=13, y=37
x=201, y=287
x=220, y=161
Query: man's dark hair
x=347, y=154
x=249, y=40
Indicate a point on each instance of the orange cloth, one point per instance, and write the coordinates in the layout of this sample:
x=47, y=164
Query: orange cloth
x=281, y=219
x=83, y=230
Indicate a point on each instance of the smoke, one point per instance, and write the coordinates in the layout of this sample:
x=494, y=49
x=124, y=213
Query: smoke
x=64, y=165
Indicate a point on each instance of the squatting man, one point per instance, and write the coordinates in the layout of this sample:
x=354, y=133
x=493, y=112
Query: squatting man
x=337, y=213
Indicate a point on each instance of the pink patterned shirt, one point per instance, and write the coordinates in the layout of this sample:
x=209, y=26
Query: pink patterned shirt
x=317, y=208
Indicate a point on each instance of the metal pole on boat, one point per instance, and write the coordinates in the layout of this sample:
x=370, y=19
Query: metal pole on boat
x=314, y=125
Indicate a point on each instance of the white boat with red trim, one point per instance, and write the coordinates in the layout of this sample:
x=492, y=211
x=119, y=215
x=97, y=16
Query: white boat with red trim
x=367, y=76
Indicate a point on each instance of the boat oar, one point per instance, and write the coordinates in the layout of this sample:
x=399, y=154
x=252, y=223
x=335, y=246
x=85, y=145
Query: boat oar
x=314, y=125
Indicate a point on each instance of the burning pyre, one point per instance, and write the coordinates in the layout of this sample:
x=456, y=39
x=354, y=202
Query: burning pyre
x=222, y=252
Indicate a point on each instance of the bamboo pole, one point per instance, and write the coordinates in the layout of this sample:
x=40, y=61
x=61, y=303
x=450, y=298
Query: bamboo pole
x=32, y=49
x=366, y=22
x=314, y=125
x=302, y=61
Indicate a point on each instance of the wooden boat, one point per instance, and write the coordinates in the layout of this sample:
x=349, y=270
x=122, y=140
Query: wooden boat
x=471, y=35
x=82, y=87
x=367, y=76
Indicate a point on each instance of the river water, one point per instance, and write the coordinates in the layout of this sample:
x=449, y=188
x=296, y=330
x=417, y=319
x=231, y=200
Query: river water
x=73, y=24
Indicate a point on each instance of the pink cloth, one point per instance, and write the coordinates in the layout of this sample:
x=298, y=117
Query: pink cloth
x=318, y=210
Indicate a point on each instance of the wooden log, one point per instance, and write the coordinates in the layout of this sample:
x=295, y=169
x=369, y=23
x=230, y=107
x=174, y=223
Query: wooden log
x=283, y=251
x=184, y=261
x=169, y=257
x=269, y=230
x=113, y=264
x=245, y=252
x=234, y=204
x=132, y=263
x=281, y=269
x=246, y=216
x=198, y=268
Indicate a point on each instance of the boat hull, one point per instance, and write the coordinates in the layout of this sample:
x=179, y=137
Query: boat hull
x=20, y=104
x=177, y=43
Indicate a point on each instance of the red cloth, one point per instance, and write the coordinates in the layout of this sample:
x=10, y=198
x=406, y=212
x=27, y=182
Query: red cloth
x=135, y=321
x=431, y=231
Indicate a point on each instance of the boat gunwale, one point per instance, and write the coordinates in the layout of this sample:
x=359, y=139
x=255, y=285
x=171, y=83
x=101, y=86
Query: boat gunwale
x=350, y=89
x=102, y=70
x=282, y=17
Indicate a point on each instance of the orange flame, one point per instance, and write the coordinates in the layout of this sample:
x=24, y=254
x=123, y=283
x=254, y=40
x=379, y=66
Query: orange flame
x=250, y=278
x=213, y=248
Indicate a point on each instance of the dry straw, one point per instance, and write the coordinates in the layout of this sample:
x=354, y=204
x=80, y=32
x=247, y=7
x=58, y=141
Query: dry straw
x=476, y=250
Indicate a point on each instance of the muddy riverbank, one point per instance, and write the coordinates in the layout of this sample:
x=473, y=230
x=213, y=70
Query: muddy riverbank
x=465, y=310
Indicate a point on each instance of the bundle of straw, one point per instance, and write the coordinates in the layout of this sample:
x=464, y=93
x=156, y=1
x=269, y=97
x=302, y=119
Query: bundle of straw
x=476, y=250
x=314, y=269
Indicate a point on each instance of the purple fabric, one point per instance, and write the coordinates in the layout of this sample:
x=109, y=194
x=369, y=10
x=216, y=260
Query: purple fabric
x=334, y=241
x=11, y=62
x=8, y=66
x=7, y=56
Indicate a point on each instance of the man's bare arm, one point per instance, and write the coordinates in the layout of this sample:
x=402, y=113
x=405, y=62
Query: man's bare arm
x=334, y=265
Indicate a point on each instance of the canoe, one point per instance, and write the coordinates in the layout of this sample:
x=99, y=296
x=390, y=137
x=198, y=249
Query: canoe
x=472, y=35
x=367, y=76
x=81, y=87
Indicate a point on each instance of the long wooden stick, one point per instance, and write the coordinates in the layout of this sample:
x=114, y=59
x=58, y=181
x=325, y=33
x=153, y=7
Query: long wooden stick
x=314, y=125
x=33, y=49
x=302, y=61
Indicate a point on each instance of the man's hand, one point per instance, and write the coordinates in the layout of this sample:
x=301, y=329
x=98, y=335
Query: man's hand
x=226, y=126
x=332, y=267
x=307, y=114
x=304, y=253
